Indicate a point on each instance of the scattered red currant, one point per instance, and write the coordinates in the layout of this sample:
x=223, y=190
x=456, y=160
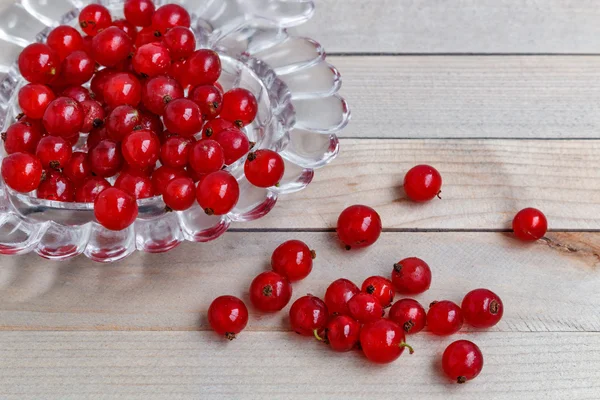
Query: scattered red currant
x=56, y=187
x=358, y=226
x=136, y=184
x=383, y=341
x=175, y=151
x=411, y=276
x=182, y=116
x=234, y=142
x=530, y=224
x=462, y=361
x=293, y=259
x=228, y=316
x=239, y=106
x=206, y=156
x=77, y=68
x=93, y=115
x=444, y=318
x=34, y=99
x=38, y=63
x=203, y=67
x=151, y=59
x=163, y=175
x=78, y=168
x=139, y=12
x=63, y=117
x=381, y=288
x=21, y=137
x=409, y=314
x=270, y=292
x=94, y=19
x=482, y=308
x=307, y=315
x=53, y=152
x=342, y=333
x=121, y=121
x=170, y=16
x=338, y=294
x=215, y=126
x=180, y=194
x=422, y=183
x=180, y=41
x=365, y=307
x=141, y=149
x=106, y=159
x=126, y=27
x=111, y=46
x=160, y=91
x=21, y=172
x=264, y=168
x=209, y=99
x=89, y=190
x=114, y=209
x=64, y=40
x=218, y=193
x=122, y=88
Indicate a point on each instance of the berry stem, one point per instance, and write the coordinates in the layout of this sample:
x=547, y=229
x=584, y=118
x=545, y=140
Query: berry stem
x=409, y=347
x=319, y=338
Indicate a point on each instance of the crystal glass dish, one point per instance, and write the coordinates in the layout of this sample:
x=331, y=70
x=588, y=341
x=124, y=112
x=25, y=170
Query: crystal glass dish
x=299, y=115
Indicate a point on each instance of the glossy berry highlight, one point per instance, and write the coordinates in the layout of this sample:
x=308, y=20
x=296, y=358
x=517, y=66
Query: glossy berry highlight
x=358, y=226
x=462, y=361
x=228, y=316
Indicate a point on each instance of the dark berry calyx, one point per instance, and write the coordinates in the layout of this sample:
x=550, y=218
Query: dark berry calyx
x=138, y=128
x=157, y=34
x=432, y=303
x=461, y=379
x=168, y=209
x=267, y=291
x=54, y=164
x=167, y=99
x=397, y=267
x=251, y=145
x=19, y=116
x=208, y=132
x=251, y=156
x=347, y=247
x=215, y=105
x=439, y=195
x=3, y=136
x=239, y=123
x=98, y=123
x=494, y=307
x=313, y=254
x=370, y=289
x=209, y=211
x=229, y=335
x=408, y=325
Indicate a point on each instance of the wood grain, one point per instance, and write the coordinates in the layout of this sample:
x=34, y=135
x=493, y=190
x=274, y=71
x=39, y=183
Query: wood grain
x=546, y=286
x=461, y=26
x=478, y=97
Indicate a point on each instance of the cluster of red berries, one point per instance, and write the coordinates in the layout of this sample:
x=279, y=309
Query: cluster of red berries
x=154, y=117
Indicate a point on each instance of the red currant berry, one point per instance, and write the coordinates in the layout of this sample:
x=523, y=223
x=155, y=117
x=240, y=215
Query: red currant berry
x=174, y=152
x=444, y=318
x=106, y=159
x=170, y=16
x=147, y=35
x=21, y=172
x=34, y=99
x=160, y=91
x=383, y=341
x=358, y=226
x=56, y=187
x=115, y=210
x=38, y=63
x=126, y=27
x=365, y=307
x=381, y=288
x=53, y=152
x=239, y=106
x=203, y=67
x=422, y=183
x=151, y=122
x=21, y=137
x=270, y=292
x=36, y=123
x=94, y=19
x=218, y=193
x=111, y=46
x=180, y=194
x=77, y=68
x=215, y=126
x=151, y=59
x=141, y=148
x=99, y=81
x=93, y=115
x=338, y=294
x=341, y=333
x=206, y=156
x=482, y=308
x=96, y=136
x=227, y=316
x=65, y=40
x=63, y=117
x=209, y=99
x=122, y=88
x=308, y=315
x=411, y=276
x=530, y=224
x=78, y=168
x=163, y=175
x=409, y=314
x=77, y=93
x=462, y=361
x=89, y=190
x=234, y=142
x=139, y=12
x=180, y=41
x=121, y=122
x=136, y=184
x=293, y=259
x=182, y=116
x=264, y=168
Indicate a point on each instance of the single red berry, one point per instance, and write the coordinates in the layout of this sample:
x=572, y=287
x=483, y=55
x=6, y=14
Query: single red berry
x=36, y=123
x=160, y=91
x=21, y=172
x=63, y=117
x=96, y=136
x=180, y=41
x=139, y=12
x=264, y=168
x=106, y=159
x=444, y=318
x=151, y=122
x=227, y=316
x=381, y=288
x=122, y=88
x=21, y=137
x=308, y=315
x=163, y=175
x=126, y=27
x=182, y=116
x=341, y=333
x=338, y=294
x=293, y=259
x=365, y=307
x=180, y=194
x=115, y=210
x=111, y=46
x=270, y=292
x=147, y=35
x=206, y=156
x=121, y=122
x=462, y=361
x=151, y=59
x=94, y=19
x=234, y=142
x=215, y=126
x=203, y=67
x=174, y=152
x=209, y=99
x=530, y=224
x=482, y=308
x=34, y=99
x=422, y=183
x=77, y=93
x=78, y=168
x=136, y=184
x=411, y=276
x=358, y=226
x=89, y=190
x=56, y=187
x=141, y=148
x=93, y=115
x=383, y=341
x=77, y=68
x=409, y=314
x=239, y=106
x=99, y=81
x=169, y=16
x=218, y=193
x=38, y=63
x=178, y=71
x=65, y=40
x=53, y=152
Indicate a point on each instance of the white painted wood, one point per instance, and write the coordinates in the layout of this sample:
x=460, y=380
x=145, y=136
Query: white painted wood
x=478, y=96
x=546, y=286
x=282, y=365
x=460, y=26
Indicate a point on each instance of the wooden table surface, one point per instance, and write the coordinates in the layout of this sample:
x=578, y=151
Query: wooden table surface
x=502, y=96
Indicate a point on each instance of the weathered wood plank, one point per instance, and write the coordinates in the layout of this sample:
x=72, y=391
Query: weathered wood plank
x=462, y=26
x=457, y=97
x=547, y=286
x=191, y=365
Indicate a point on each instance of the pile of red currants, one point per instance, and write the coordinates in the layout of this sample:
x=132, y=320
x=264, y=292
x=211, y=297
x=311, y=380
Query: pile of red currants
x=146, y=109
